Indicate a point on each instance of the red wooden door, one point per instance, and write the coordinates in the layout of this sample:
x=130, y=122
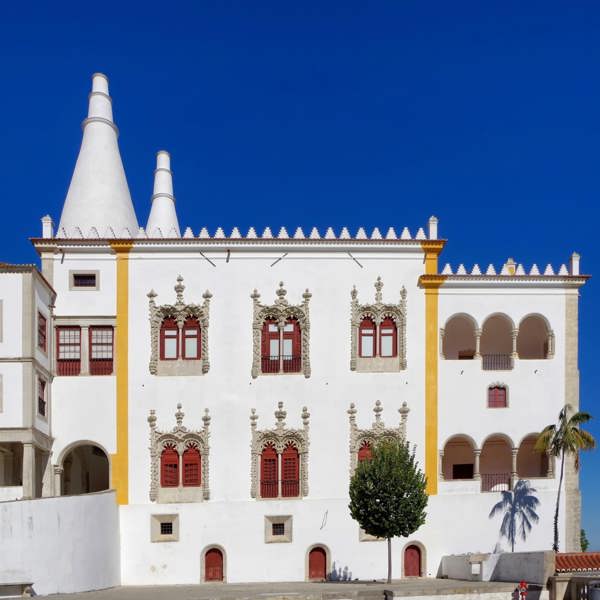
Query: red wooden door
x=412, y=562
x=213, y=565
x=317, y=564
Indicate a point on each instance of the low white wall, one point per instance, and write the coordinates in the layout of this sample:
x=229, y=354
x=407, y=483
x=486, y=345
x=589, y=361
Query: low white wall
x=65, y=544
x=11, y=492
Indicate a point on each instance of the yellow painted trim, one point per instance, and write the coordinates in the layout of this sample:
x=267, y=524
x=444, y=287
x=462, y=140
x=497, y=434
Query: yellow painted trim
x=120, y=460
x=431, y=283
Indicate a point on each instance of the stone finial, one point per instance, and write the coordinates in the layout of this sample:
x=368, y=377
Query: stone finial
x=253, y=418
x=378, y=409
x=573, y=265
x=179, y=415
x=509, y=267
x=354, y=292
x=207, y=295
x=255, y=295
x=352, y=413
x=47, y=227
x=306, y=296
x=433, y=228
x=206, y=418
x=305, y=417
x=152, y=419
x=280, y=415
x=378, y=288
x=281, y=292
x=179, y=288
x=403, y=293
x=403, y=410
x=151, y=295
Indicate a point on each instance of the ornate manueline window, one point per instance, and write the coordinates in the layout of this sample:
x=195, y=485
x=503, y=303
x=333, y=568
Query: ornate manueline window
x=280, y=335
x=179, y=335
x=279, y=467
x=362, y=441
x=179, y=461
x=378, y=333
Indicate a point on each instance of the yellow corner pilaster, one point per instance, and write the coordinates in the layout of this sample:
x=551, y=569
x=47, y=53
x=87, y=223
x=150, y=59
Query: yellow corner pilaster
x=431, y=282
x=120, y=460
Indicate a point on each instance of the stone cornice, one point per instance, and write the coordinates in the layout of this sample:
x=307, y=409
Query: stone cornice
x=479, y=281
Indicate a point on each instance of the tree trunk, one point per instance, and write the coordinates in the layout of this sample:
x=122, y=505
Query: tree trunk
x=389, y=577
x=562, y=469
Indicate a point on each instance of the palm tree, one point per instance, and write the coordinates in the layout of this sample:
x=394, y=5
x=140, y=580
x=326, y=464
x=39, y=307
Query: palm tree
x=562, y=438
x=518, y=507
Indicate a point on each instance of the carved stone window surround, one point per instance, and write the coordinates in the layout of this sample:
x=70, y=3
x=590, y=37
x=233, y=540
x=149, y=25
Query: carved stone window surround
x=376, y=433
x=377, y=312
x=179, y=311
x=279, y=438
x=280, y=312
x=181, y=438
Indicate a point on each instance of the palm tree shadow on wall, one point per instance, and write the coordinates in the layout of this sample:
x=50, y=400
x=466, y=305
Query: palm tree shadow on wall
x=518, y=508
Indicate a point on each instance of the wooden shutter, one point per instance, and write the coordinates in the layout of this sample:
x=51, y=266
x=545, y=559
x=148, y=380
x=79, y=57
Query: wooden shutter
x=497, y=397
x=365, y=452
x=269, y=362
x=68, y=356
x=292, y=333
x=290, y=468
x=169, y=331
x=169, y=467
x=191, y=336
x=192, y=467
x=101, y=350
x=269, y=477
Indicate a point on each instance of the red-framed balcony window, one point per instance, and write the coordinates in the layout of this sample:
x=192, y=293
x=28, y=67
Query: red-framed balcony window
x=192, y=341
x=290, y=472
x=497, y=397
x=169, y=340
x=101, y=350
x=269, y=476
x=192, y=467
x=270, y=347
x=169, y=467
x=365, y=452
x=68, y=356
x=388, y=338
x=367, y=345
x=42, y=332
x=292, y=347
x=42, y=402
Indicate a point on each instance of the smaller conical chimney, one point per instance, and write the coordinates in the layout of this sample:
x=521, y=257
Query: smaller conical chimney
x=163, y=215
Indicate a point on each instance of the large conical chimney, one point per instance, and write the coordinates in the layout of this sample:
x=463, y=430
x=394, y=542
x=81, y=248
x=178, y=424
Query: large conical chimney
x=162, y=221
x=99, y=195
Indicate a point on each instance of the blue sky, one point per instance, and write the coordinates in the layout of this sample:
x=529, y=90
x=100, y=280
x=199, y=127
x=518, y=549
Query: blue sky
x=328, y=113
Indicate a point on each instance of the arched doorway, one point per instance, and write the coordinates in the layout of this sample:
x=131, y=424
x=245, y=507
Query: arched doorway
x=213, y=565
x=85, y=470
x=317, y=564
x=412, y=561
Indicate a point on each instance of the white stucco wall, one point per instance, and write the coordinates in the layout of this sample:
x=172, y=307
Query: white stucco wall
x=66, y=544
x=11, y=294
x=11, y=411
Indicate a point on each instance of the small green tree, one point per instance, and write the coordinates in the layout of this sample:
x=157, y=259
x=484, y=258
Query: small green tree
x=387, y=494
x=585, y=544
x=562, y=438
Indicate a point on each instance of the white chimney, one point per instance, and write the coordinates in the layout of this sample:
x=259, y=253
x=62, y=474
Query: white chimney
x=574, y=266
x=47, y=227
x=163, y=215
x=433, y=228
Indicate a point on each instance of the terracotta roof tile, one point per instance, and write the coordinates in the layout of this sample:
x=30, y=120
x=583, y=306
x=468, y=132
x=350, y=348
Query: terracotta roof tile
x=569, y=562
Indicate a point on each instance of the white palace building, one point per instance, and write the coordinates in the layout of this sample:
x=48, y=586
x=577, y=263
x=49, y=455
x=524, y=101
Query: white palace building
x=181, y=408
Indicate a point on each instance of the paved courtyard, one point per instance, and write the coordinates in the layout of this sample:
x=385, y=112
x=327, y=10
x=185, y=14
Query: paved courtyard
x=294, y=591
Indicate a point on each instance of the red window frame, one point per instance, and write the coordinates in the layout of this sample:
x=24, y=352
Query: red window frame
x=191, y=330
x=497, y=397
x=42, y=332
x=365, y=452
x=42, y=403
x=269, y=362
x=192, y=467
x=290, y=472
x=269, y=473
x=169, y=325
x=103, y=348
x=366, y=328
x=292, y=364
x=169, y=467
x=70, y=349
x=387, y=328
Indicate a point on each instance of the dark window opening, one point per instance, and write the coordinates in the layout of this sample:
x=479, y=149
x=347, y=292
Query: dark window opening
x=462, y=471
x=166, y=528
x=84, y=280
x=278, y=529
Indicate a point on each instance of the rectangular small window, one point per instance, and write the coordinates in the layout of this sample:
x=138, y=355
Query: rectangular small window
x=84, y=280
x=171, y=338
x=101, y=350
x=278, y=529
x=387, y=343
x=274, y=349
x=287, y=349
x=41, y=397
x=367, y=345
x=166, y=528
x=42, y=332
x=68, y=357
x=497, y=397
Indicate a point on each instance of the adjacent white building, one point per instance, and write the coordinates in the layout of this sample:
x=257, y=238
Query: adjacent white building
x=226, y=383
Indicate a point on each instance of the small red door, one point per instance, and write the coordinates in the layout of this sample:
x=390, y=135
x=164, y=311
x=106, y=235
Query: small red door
x=412, y=562
x=317, y=564
x=213, y=565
